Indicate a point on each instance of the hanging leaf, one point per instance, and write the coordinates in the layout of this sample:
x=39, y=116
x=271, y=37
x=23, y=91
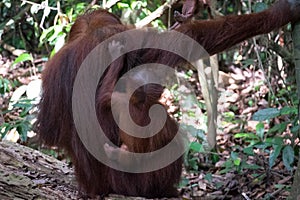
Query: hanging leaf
x=197, y=147
x=266, y=114
x=236, y=159
x=260, y=130
x=288, y=157
x=22, y=58
x=274, y=155
x=249, y=151
x=288, y=111
x=279, y=128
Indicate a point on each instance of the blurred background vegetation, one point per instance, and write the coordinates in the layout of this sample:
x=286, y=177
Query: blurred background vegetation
x=257, y=140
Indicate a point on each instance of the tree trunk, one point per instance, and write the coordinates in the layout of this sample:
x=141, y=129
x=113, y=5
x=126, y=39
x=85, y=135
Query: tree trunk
x=295, y=193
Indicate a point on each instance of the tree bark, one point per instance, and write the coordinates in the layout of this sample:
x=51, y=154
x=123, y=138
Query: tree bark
x=28, y=174
x=295, y=192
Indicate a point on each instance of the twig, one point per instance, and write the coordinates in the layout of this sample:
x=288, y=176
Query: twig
x=41, y=4
x=157, y=13
x=93, y=2
x=245, y=196
x=283, y=52
x=110, y=4
x=12, y=50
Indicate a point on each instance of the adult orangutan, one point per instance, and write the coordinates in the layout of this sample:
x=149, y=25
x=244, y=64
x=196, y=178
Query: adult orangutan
x=55, y=123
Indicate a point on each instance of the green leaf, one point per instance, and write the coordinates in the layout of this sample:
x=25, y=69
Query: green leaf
x=260, y=6
x=248, y=151
x=278, y=128
x=248, y=62
x=246, y=136
x=234, y=155
x=236, y=159
x=183, y=182
x=251, y=166
x=215, y=158
x=263, y=145
x=23, y=129
x=229, y=116
x=193, y=163
x=45, y=34
x=277, y=140
x=197, y=147
x=295, y=129
x=122, y=5
x=4, y=85
x=218, y=185
x=237, y=162
x=288, y=110
x=266, y=114
x=288, y=157
x=228, y=167
x=279, y=186
x=274, y=155
x=22, y=58
x=260, y=130
x=57, y=30
x=208, y=177
x=4, y=128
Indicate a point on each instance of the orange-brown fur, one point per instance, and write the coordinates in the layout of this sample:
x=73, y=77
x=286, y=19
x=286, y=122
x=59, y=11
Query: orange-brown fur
x=55, y=124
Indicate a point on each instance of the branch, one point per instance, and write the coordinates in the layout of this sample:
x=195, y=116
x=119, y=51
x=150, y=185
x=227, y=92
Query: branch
x=110, y=4
x=156, y=14
x=283, y=52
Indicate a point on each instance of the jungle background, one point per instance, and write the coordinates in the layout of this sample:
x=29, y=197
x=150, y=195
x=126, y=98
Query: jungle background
x=256, y=134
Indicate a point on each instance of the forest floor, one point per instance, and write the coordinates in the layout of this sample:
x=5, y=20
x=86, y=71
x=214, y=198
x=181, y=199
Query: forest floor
x=243, y=92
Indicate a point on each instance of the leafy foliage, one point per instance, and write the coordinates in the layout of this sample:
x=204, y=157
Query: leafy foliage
x=22, y=125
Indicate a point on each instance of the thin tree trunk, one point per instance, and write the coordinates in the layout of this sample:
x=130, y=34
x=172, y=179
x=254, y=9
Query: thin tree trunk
x=295, y=192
